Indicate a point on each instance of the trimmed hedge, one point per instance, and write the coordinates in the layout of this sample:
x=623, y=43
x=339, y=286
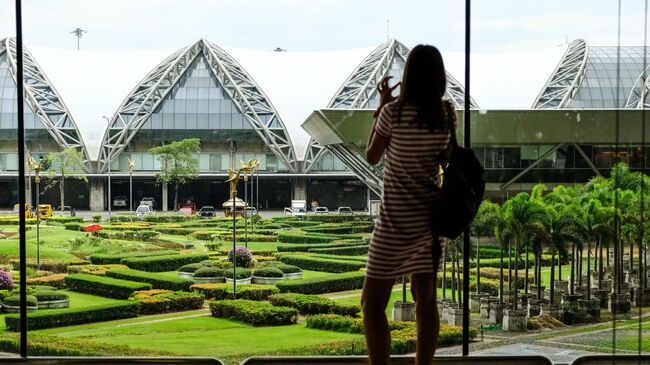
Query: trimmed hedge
x=163, y=263
x=94, y=269
x=209, y=272
x=50, y=295
x=74, y=226
x=302, y=237
x=347, y=251
x=103, y=286
x=162, y=301
x=101, y=259
x=298, y=247
x=156, y=280
x=14, y=300
x=322, y=264
x=242, y=273
x=55, y=280
x=313, y=304
x=255, y=313
x=326, y=284
x=134, y=235
x=244, y=291
x=268, y=272
x=192, y=267
x=66, y=317
x=64, y=219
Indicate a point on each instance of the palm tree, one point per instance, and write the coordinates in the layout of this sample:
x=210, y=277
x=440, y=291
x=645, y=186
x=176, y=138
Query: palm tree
x=483, y=225
x=504, y=235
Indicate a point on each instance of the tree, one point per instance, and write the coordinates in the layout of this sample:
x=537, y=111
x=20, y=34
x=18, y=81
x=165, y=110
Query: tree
x=67, y=162
x=178, y=163
x=483, y=225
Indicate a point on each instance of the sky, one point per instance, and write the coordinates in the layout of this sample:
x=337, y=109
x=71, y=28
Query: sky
x=319, y=25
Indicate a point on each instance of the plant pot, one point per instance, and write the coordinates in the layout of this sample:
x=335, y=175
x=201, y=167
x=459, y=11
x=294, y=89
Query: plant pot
x=209, y=279
x=185, y=275
x=264, y=280
x=52, y=304
x=16, y=308
x=239, y=281
x=293, y=276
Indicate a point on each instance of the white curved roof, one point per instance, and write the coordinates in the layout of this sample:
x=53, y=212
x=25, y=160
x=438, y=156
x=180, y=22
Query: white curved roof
x=94, y=83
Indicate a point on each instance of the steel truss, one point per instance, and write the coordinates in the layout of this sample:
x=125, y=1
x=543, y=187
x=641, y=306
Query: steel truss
x=248, y=97
x=638, y=98
x=44, y=101
x=565, y=80
x=360, y=86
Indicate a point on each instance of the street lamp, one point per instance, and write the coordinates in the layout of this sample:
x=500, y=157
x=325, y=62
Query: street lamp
x=36, y=166
x=233, y=179
x=109, y=167
x=131, y=164
x=247, y=168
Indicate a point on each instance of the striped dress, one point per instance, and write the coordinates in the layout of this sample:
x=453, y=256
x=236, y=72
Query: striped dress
x=402, y=240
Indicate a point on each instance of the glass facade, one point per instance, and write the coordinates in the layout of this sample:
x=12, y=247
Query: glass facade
x=8, y=106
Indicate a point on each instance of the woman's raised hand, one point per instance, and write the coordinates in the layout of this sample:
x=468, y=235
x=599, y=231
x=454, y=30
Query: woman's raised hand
x=385, y=93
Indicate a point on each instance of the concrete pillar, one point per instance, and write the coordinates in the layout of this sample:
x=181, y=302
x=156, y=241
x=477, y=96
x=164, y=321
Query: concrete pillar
x=96, y=194
x=165, y=199
x=299, y=188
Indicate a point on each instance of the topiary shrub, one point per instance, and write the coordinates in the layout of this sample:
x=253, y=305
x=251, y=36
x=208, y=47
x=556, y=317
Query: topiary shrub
x=326, y=284
x=255, y=313
x=244, y=291
x=209, y=272
x=49, y=295
x=313, y=304
x=285, y=268
x=242, y=257
x=163, y=301
x=104, y=286
x=191, y=267
x=6, y=280
x=268, y=272
x=242, y=273
x=156, y=280
x=97, y=218
x=14, y=301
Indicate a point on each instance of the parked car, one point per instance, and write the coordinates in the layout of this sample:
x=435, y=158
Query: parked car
x=287, y=210
x=45, y=210
x=119, y=201
x=147, y=200
x=321, y=210
x=298, y=212
x=250, y=211
x=344, y=210
x=143, y=210
x=67, y=210
x=207, y=211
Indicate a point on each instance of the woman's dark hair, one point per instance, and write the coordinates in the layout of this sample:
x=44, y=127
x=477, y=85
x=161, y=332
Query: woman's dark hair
x=423, y=84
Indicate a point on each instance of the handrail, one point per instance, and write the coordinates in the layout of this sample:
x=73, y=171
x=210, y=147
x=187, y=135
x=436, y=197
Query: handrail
x=398, y=360
x=38, y=360
x=612, y=359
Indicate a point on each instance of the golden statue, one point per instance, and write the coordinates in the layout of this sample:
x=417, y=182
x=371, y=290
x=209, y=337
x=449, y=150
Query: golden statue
x=131, y=164
x=36, y=166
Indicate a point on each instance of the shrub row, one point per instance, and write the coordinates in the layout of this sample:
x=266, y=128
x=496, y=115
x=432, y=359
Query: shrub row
x=348, y=250
x=326, y=284
x=103, y=286
x=312, y=304
x=138, y=235
x=255, y=313
x=13, y=220
x=94, y=269
x=59, y=219
x=102, y=259
x=296, y=247
x=347, y=324
x=162, y=263
x=55, y=280
x=338, y=218
x=221, y=291
x=179, y=231
x=251, y=237
x=162, y=301
x=156, y=280
x=322, y=264
x=74, y=226
x=302, y=237
x=65, y=317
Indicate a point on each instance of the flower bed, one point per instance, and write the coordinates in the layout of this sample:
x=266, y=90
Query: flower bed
x=254, y=313
x=162, y=301
x=55, y=280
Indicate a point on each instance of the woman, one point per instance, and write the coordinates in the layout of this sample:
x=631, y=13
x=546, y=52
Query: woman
x=412, y=130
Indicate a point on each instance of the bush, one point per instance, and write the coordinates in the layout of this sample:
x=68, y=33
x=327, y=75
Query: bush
x=302, y=237
x=135, y=235
x=348, y=250
x=191, y=267
x=64, y=219
x=65, y=317
x=163, y=263
x=94, y=269
x=6, y=281
x=74, y=226
x=268, y=272
x=209, y=272
x=255, y=313
x=101, y=259
x=242, y=273
x=295, y=247
x=286, y=269
x=326, y=284
x=156, y=280
x=97, y=218
x=163, y=301
x=50, y=295
x=313, y=304
x=168, y=218
x=55, y=280
x=104, y=286
x=242, y=257
x=244, y=291
x=203, y=235
x=322, y=264
x=14, y=301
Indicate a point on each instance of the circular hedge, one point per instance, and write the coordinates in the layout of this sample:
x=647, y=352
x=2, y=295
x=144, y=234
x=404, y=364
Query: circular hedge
x=191, y=267
x=212, y=263
x=268, y=272
x=50, y=295
x=242, y=273
x=33, y=288
x=208, y=272
x=285, y=268
x=14, y=301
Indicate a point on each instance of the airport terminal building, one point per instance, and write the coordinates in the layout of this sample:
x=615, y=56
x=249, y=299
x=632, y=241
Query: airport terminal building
x=301, y=114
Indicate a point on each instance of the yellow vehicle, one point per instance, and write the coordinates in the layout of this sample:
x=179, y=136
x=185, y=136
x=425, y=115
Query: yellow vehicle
x=28, y=210
x=45, y=210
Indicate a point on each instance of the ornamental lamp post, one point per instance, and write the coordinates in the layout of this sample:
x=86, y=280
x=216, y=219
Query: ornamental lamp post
x=233, y=179
x=247, y=168
x=36, y=166
x=109, y=168
x=131, y=164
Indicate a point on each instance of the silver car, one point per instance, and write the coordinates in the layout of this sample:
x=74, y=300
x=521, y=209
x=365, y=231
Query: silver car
x=143, y=210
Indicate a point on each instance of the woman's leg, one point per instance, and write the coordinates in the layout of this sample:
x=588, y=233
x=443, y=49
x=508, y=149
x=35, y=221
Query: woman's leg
x=426, y=315
x=374, y=299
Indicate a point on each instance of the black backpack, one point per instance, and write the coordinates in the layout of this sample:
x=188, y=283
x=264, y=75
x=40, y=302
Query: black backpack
x=462, y=190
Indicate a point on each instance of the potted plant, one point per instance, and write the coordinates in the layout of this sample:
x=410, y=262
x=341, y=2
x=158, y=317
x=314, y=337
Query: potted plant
x=243, y=276
x=290, y=272
x=267, y=275
x=188, y=270
x=49, y=299
x=12, y=304
x=208, y=275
